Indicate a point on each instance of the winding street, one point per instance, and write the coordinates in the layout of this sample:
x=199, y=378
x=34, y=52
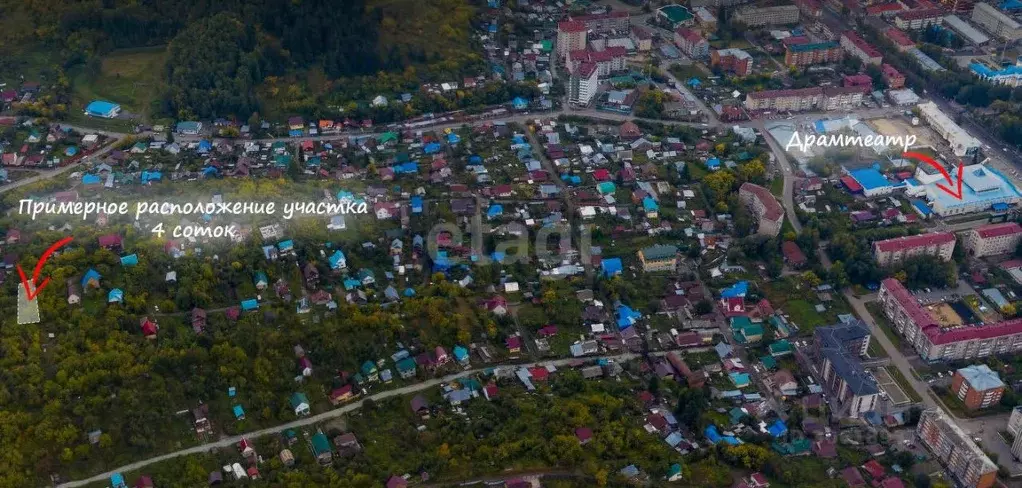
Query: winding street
x=313, y=419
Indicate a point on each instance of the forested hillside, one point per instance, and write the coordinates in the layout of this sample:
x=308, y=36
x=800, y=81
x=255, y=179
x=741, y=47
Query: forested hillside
x=226, y=48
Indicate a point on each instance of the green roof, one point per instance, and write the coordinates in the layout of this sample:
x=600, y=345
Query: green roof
x=388, y=136
x=406, y=364
x=812, y=46
x=659, y=251
x=368, y=367
x=768, y=362
x=676, y=13
x=752, y=330
x=793, y=448
x=298, y=398
x=780, y=348
x=320, y=444
x=740, y=322
x=547, y=45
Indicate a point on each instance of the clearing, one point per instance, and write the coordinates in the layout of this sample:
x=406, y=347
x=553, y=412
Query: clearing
x=131, y=78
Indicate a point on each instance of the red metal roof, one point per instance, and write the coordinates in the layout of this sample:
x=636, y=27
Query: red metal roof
x=850, y=183
x=898, y=37
x=773, y=209
x=998, y=230
x=909, y=242
x=926, y=13
x=792, y=252
x=571, y=26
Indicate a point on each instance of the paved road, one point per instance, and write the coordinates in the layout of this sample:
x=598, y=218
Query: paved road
x=50, y=173
x=337, y=412
x=787, y=171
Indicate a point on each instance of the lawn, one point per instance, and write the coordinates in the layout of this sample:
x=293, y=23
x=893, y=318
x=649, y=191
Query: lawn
x=777, y=187
x=883, y=323
x=903, y=383
x=131, y=78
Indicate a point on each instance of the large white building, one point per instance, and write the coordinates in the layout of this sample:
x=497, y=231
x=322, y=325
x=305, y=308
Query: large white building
x=996, y=22
x=894, y=251
x=961, y=141
x=993, y=239
x=983, y=189
x=955, y=450
x=583, y=84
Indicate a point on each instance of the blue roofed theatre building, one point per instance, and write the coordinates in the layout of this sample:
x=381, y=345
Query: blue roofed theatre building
x=983, y=189
x=102, y=109
x=836, y=355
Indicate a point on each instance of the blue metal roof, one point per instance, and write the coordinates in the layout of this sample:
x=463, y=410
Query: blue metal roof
x=869, y=178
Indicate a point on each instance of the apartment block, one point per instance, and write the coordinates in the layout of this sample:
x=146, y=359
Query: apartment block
x=571, y=36
x=613, y=21
x=837, y=350
x=955, y=450
x=583, y=84
x=761, y=16
x=808, y=54
x=900, y=39
x=958, y=6
x=920, y=18
x=607, y=61
x=993, y=239
x=732, y=60
x=894, y=79
x=936, y=343
x=691, y=43
x=828, y=98
x=996, y=22
x=894, y=251
x=759, y=200
x=856, y=46
x=977, y=386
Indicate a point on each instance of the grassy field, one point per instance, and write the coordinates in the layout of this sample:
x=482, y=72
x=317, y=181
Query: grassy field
x=132, y=78
x=777, y=187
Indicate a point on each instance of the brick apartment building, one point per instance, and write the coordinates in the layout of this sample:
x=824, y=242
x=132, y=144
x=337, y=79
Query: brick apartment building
x=977, y=386
x=732, y=61
x=826, y=98
x=899, y=38
x=808, y=54
x=894, y=79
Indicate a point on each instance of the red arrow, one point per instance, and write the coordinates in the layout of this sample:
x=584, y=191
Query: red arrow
x=926, y=159
x=29, y=292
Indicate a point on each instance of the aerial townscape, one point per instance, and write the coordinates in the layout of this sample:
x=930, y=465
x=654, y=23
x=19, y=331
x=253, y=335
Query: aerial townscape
x=511, y=243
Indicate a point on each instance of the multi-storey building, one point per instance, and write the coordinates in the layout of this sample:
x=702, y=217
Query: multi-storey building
x=705, y=19
x=958, y=6
x=811, y=9
x=955, y=450
x=900, y=39
x=583, y=84
x=607, y=61
x=919, y=18
x=828, y=98
x=732, y=60
x=837, y=350
x=658, y=258
x=894, y=251
x=855, y=45
x=977, y=386
x=996, y=22
x=961, y=142
x=642, y=38
x=894, y=79
x=993, y=239
x=571, y=36
x=612, y=21
x=759, y=200
x=936, y=343
x=860, y=81
x=760, y=16
x=691, y=43
x=808, y=54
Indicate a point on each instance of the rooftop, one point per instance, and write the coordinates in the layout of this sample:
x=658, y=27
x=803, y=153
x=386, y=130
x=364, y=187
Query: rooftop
x=981, y=377
x=812, y=46
x=773, y=209
x=869, y=178
x=831, y=340
x=909, y=242
x=998, y=230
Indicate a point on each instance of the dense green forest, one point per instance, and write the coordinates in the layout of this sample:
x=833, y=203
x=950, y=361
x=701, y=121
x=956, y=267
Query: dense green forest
x=220, y=52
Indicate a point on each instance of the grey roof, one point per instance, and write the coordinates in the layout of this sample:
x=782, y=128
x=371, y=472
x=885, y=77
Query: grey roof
x=659, y=251
x=831, y=340
x=981, y=377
